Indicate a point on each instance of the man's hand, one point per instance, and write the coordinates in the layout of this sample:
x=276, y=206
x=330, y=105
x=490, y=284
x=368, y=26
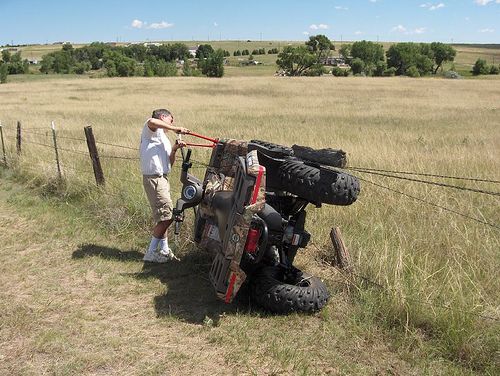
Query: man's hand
x=182, y=130
x=178, y=144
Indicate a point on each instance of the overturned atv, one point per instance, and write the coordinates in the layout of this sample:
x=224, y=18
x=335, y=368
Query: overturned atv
x=251, y=214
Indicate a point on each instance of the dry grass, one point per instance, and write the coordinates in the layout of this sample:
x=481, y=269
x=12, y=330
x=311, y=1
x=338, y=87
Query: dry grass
x=427, y=258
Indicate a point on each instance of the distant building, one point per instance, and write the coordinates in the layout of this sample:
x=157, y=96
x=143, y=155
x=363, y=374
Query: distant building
x=192, y=51
x=334, y=61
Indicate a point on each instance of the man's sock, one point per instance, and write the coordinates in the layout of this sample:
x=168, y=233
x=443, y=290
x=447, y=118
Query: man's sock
x=153, y=245
x=164, y=249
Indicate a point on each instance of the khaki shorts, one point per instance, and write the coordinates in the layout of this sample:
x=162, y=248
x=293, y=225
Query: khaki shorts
x=158, y=191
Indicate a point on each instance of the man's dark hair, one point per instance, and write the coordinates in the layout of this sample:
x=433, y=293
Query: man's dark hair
x=159, y=112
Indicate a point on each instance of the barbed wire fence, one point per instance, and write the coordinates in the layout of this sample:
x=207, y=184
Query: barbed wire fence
x=50, y=138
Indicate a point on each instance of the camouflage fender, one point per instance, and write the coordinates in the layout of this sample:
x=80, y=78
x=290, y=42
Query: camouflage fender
x=239, y=232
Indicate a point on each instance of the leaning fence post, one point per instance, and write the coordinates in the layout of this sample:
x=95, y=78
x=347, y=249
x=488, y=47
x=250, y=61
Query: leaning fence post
x=18, y=138
x=3, y=145
x=342, y=257
x=53, y=126
x=96, y=163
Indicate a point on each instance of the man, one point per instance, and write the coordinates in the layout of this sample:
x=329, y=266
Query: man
x=157, y=156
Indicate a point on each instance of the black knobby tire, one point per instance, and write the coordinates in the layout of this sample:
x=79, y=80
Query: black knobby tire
x=306, y=294
x=318, y=184
x=270, y=149
x=328, y=156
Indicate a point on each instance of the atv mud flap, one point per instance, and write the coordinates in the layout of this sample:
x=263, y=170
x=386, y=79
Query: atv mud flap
x=248, y=199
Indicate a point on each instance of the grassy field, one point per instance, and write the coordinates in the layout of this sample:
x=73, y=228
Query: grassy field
x=83, y=302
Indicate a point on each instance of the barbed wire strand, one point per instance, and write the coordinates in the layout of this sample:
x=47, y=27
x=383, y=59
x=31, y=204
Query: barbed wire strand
x=58, y=148
x=493, y=225
x=116, y=145
x=355, y=168
x=432, y=183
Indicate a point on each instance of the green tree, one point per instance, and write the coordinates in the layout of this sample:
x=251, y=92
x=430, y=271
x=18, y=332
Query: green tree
x=296, y=61
x=125, y=66
x=110, y=68
x=165, y=69
x=320, y=45
x=4, y=71
x=380, y=68
x=494, y=69
x=47, y=63
x=63, y=62
x=204, y=50
x=402, y=56
x=412, y=72
x=370, y=53
x=187, y=70
x=81, y=68
x=357, y=66
x=480, y=67
x=6, y=56
x=213, y=66
x=345, y=52
x=67, y=47
x=149, y=70
x=442, y=53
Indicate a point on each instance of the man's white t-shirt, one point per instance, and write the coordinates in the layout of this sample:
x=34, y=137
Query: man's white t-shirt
x=155, y=151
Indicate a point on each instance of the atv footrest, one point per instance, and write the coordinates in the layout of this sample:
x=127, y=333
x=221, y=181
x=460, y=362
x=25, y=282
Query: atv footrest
x=219, y=273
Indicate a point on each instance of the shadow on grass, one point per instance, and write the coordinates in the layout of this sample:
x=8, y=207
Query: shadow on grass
x=86, y=250
x=189, y=296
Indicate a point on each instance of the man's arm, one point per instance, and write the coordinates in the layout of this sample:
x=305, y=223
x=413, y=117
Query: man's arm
x=154, y=124
x=177, y=145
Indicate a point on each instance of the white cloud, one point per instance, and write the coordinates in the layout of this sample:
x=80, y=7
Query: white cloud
x=467, y=19
x=216, y=24
x=319, y=27
x=372, y=1
x=137, y=24
x=487, y=30
x=159, y=25
x=399, y=29
x=404, y=30
x=358, y=32
x=486, y=2
x=338, y=7
x=431, y=6
x=305, y=32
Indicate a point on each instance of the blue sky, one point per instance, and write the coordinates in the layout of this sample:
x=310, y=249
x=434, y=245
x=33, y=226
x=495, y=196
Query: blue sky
x=47, y=21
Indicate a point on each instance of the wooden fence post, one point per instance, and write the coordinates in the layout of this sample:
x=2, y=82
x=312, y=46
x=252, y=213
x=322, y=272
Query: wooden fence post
x=342, y=257
x=53, y=126
x=18, y=138
x=3, y=145
x=96, y=163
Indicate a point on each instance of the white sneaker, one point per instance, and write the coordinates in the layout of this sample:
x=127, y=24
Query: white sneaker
x=168, y=253
x=155, y=258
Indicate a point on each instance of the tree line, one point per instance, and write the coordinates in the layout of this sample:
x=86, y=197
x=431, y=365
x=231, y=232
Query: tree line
x=367, y=58
x=134, y=60
x=12, y=64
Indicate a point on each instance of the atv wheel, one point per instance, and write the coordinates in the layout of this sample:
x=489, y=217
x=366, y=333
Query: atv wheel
x=328, y=157
x=304, y=294
x=318, y=184
x=270, y=149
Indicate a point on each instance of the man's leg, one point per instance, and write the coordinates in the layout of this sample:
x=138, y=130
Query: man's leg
x=160, y=230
